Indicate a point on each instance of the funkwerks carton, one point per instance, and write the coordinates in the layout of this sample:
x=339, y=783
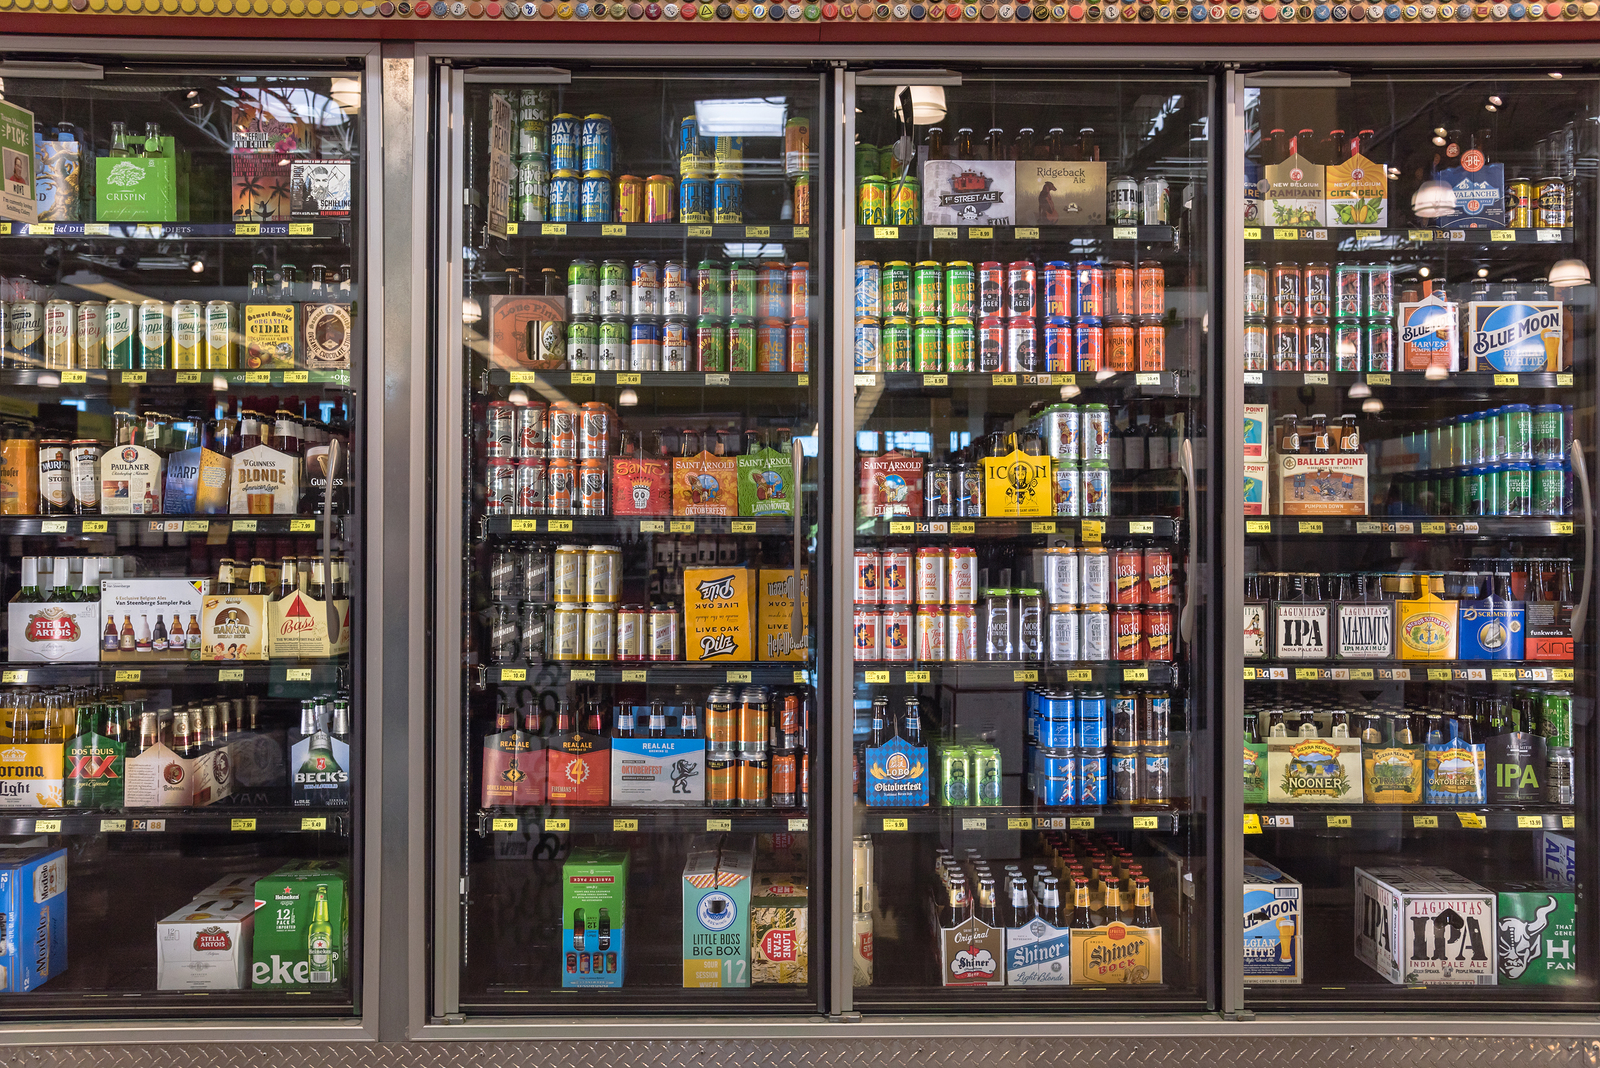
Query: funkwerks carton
x=1273, y=931
x=716, y=911
x=33, y=906
x=594, y=914
x=1424, y=925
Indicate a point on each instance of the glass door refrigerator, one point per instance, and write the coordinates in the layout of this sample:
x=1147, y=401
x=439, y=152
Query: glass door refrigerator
x=630, y=352
x=184, y=272
x=1418, y=361
x=1027, y=449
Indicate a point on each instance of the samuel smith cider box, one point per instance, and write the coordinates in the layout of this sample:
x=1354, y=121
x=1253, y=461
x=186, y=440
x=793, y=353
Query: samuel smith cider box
x=1422, y=925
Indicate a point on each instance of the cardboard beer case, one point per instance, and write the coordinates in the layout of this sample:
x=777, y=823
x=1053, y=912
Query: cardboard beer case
x=896, y=775
x=1393, y=773
x=1479, y=189
x=1364, y=630
x=775, y=615
x=157, y=778
x=1558, y=858
x=1332, y=484
x=1038, y=954
x=766, y=483
x=1255, y=431
x=1255, y=773
x=594, y=918
x=527, y=333
x=1018, y=484
x=578, y=770
x=54, y=632
x=971, y=953
x=969, y=193
x=640, y=486
x=1536, y=934
x=1257, y=630
x=1549, y=631
x=1516, y=336
x=889, y=485
x=779, y=929
x=717, y=878
x=131, y=481
x=1430, y=334
x=263, y=470
x=1491, y=629
x=705, y=485
x=206, y=944
x=33, y=908
x=289, y=952
x=1274, y=928
x=1294, y=193
x=33, y=776
x=1422, y=925
x=143, y=189
x=514, y=769
x=233, y=626
x=1428, y=628
x=299, y=625
x=196, y=483
x=1116, y=954
x=658, y=772
x=326, y=338
x=1314, y=771
x=1358, y=193
x=717, y=622
x=319, y=189
x=1061, y=194
x=1515, y=768
x=1302, y=630
x=57, y=178
x=144, y=601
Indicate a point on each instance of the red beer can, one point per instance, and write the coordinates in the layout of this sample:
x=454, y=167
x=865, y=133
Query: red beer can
x=1121, y=344
x=594, y=431
x=1153, y=290
x=1122, y=289
x=1127, y=565
x=869, y=577
x=1152, y=345
x=1286, y=292
x=1056, y=281
x=1157, y=639
x=1089, y=346
x=1127, y=624
x=896, y=575
x=799, y=346
x=1283, y=346
x=1158, y=576
x=1316, y=285
x=897, y=637
x=591, y=492
x=962, y=640
x=868, y=632
x=1021, y=289
x=560, y=485
x=800, y=291
x=991, y=344
x=991, y=289
x=529, y=442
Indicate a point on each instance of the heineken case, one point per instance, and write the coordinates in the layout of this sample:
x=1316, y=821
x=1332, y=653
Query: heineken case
x=1424, y=926
x=1536, y=934
x=301, y=942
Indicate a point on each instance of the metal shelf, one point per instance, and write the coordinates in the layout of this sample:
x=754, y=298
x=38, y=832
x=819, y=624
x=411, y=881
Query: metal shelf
x=1017, y=818
x=1120, y=383
x=622, y=820
x=660, y=231
x=629, y=526
x=653, y=379
x=663, y=672
x=1403, y=237
x=99, y=382
x=1348, y=526
x=299, y=230
x=1143, y=528
x=1360, y=819
x=81, y=525
x=279, y=676
x=978, y=675
x=217, y=819
x=1485, y=382
x=1405, y=671
x=1058, y=234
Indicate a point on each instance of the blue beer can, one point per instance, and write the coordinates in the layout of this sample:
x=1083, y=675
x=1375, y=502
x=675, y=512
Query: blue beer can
x=565, y=198
x=596, y=141
x=694, y=199
x=1054, y=763
x=727, y=200
x=1092, y=777
x=869, y=340
x=1092, y=720
x=692, y=157
x=594, y=197
x=1057, y=283
x=869, y=298
x=1062, y=790
x=1032, y=696
x=1056, y=733
x=564, y=143
x=1058, y=354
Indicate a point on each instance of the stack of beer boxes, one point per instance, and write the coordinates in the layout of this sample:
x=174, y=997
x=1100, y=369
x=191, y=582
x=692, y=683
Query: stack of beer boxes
x=296, y=947
x=206, y=944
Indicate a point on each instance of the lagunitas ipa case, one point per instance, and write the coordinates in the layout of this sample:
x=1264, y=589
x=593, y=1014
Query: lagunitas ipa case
x=716, y=912
x=594, y=915
x=1273, y=925
x=1536, y=934
x=1425, y=926
x=301, y=942
x=33, y=905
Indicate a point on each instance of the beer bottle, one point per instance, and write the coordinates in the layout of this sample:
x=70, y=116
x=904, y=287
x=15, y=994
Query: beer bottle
x=1372, y=729
x=1143, y=910
x=1021, y=907
x=1252, y=727
x=988, y=906
x=183, y=742
x=258, y=576
x=1308, y=724
x=1023, y=147
x=880, y=728
x=689, y=722
x=958, y=904
x=29, y=594
x=249, y=434
x=1087, y=148
x=593, y=721
x=316, y=587
x=532, y=724
x=319, y=939
x=288, y=578
x=119, y=141
x=936, y=143
x=1275, y=725
x=158, y=637
x=1111, y=911
x=1050, y=907
x=225, y=585
x=913, y=735
x=622, y=721
x=152, y=140
x=125, y=641
x=1056, y=146
x=966, y=148
x=564, y=720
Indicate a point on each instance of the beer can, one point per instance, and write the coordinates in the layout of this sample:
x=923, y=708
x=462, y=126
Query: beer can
x=1061, y=426
x=772, y=285
x=1377, y=346
x=905, y=202
x=1094, y=585
x=644, y=289
x=931, y=572
x=562, y=202
x=585, y=285
x=566, y=632
x=1021, y=289
x=1378, y=293
x=591, y=493
x=1316, y=343
x=1152, y=290
x=1123, y=348
x=500, y=489
x=1316, y=284
x=1554, y=208
x=927, y=290
x=644, y=345
x=938, y=495
x=1153, y=345
x=583, y=342
x=1122, y=201
x=1155, y=201
x=962, y=641
x=499, y=428
x=611, y=348
x=60, y=335
x=968, y=482
x=221, y=335
x=1123, y=774
x=722, y=719
x=796, y=146
x=504, y=633
x=991, y=288
x=895, y=287
x=154, y=335
x=868, y=297
x=1549, y=433
x=121, y=333
x=868, y=627
x=727, y=154
x=1286, y=291
x=867, y=346
x=1158, y=632
x=1283, y=351
x=961, y=582
x=1063, y=634
x=754, y=771
x=675, y=345
x=658, y=199
x=721, y=776
x=955, y=776
x=1096, y=432
x=1127, y=568
x=1256, y=290
x=630, y=199
x=533, y=189
x=693, y=154
x=1556, y=717
x=1519, y=204
x=530, y=488
x=1346, y=345
x=1158, y=576
x=710, y=345
x=772, y=337
x=1255, y=345
x=1092, y=786
x=727, y=199
x=998, y=620
x=752, y=719
x=535, y=622
x=560, y=486
x=1061, y=575
x=1056, y=289
x=785, y=778
x=602, y=573
x=673, y=289
x=896, y=574
x=872, y=201
x=797, y=290
x=960, y=289
x=1094, y=498
x=664, y=633
x=927, y=348
x=869, y=577
x=26, y=338
x=85, y=458
x=1089, y=345
x=55, y=480
x=930, y=632
x=1128, y=626
x=960, y=345
x=1021, y=345
x=1093, y=731
x=741, y=345
x=1066, y=488
x=991, y=344
x=561, y=429
x=802, y=202
x=695, y=199
x=565, y=140
x=1058, y=344
x=599, y=631
x=596, y=144
x=188, y=335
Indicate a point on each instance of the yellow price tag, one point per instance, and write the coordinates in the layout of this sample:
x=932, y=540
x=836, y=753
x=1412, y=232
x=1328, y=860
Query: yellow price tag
x=1146, y=823
x=1507, y=380
x=719, y=825
x=524, y=377
x=681, y=526
x=1252, y=233
x=247, y=229
x=1285, y=235
x=189, y=378
x=980, y=233
x=583, y=378
x=1002, y=380
x=1135, y=674
x=1434, y=528
x=245, y=824
x=902, y=527
x=802, y=233
x=1470, y=820
x=553, y=230
x=1361, y=674
x=629, y=378
x=110, y=826
x=314, y=823
x=891, y=823
x=1503, y=674
x=624, y=825
x=744, y=676
x=46, y=826
x=758, y=231
x=1568, y=822
x=53, y=526
x=1024, y=675
x=1252, y=823
x=699, y=231
x=885, y=233
x=877, y=677
x=557, y=825
x=196, y=526
x=1363, y=235
x=1562, y=526
x=1305, y=674
x=133, y=378
x=799, y=678
x=1124, y=233
x=1080, y=675
x=1249, y=674
x=14, y=676
x=1502, y=235
x=302, y=526
x=1311, y=527
x=1142, y=526
x=556, y=526
x=635, y=675
x=301, y=229
x=128, y=675
x=968, y=527
x=945, y=233
x=935, y=380
x=1561, y=674
x=297, y=675
x=94, y=526
x=74, y=377
x=1258, y=526
x=1419, y=235
x=258, y=377
x=582, y=674
x=1438, y=674
x=1026, y=233
x=288, y=376
x=1378, y=380
x=1564, y=379
x=503, y=823
x=1093, y=531
x=919, y=676
x=652, y=526
x=1338, y=821
x=1529, y=823
x=524, y=526
x=230, y=675
x=614, y=230
x=1019, y=823
x=1081, y=823
x=512, y=229
x=802, y=380
x=1044, y=527
x=743, y=526
x=1424, y=821
x=968, y=823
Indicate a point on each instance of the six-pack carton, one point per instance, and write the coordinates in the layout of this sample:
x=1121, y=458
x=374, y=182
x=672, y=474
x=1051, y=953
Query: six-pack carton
x=1332, y=484
x=300, y=625
x=717, y=879
x=33, y=905
x=1516, y=336
x=301, y=941
x=1116, y=953
x=594, y=916
x=657, y=772
x=1273, y=926
x=779, y=929
x=1422, y=925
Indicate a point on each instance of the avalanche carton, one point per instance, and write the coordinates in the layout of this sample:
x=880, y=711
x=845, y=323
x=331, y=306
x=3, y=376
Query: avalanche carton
x=33, y=905
x=205, y=945
x=716, y=912
x=778, y=929
x=1425, y=925
x=1273, y=931
x=594, y=915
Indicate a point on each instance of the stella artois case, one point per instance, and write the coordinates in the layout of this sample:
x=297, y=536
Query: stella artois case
x=54, y=632
x=205, y=945
x=1424, y=925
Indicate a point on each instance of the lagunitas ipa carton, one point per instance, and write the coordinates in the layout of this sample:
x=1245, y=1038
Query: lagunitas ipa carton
x=1061, y=194
x=301, y=940
x=779, y=936
x=717, y=878
x=1273, y=926
x=717, y=623
x=1515, y=336
x=1333, y=484
x=1425, y=926
x=775, y=615
x=594, y=915
x=1536, y=934
x=890, y=485
x=205, y=945
x=1017, y=485
x=33, y=906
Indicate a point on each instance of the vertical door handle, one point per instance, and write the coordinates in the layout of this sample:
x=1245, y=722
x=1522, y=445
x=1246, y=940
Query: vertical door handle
x=797, y=458
x=327, y=540
x=1580, y=614
x=1186, y=619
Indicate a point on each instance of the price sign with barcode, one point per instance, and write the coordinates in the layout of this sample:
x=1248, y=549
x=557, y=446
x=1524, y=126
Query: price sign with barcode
x=554, y=825
x=624, y=825
x=503, y=823
x=1081, y=823
x=1019, y=823
x=297, y=675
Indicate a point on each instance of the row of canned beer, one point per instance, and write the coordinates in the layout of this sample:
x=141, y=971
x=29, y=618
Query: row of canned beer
x=742, y=289
x=679, y=344
x=1319, y=291
x=592, y=631
x=1071, y=575
x=1013, y=625
x=993, y=344
x=1319, y=345
x=1094, y=748
x=1081, y=291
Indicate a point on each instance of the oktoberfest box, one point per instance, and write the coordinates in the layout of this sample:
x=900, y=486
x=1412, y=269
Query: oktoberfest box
x=897, y=775
x=705, y=485
x=1424, y=925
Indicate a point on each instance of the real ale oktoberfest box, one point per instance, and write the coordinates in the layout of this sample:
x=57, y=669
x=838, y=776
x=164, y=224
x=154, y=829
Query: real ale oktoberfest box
x=1423, y=925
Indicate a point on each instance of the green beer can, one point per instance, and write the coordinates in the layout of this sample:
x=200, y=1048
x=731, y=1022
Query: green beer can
x=1516, y=494
x=872, y=202
x=1476, y=435
x=905, y=203
x=960, y=289
x=867, y=157
x=1549, y=489
x=1516, y=423
x=895, y=348
x=1549, y=433
x=960, y=345
x=927, y=291
x=894, y=288
x=1494, y=436
x=1494, y=484
x=986, y=781
x=742, y=345
x=742, y=289
x=955, y=776
x=1475, y=478
x=927, y=346
x=1556, y=714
